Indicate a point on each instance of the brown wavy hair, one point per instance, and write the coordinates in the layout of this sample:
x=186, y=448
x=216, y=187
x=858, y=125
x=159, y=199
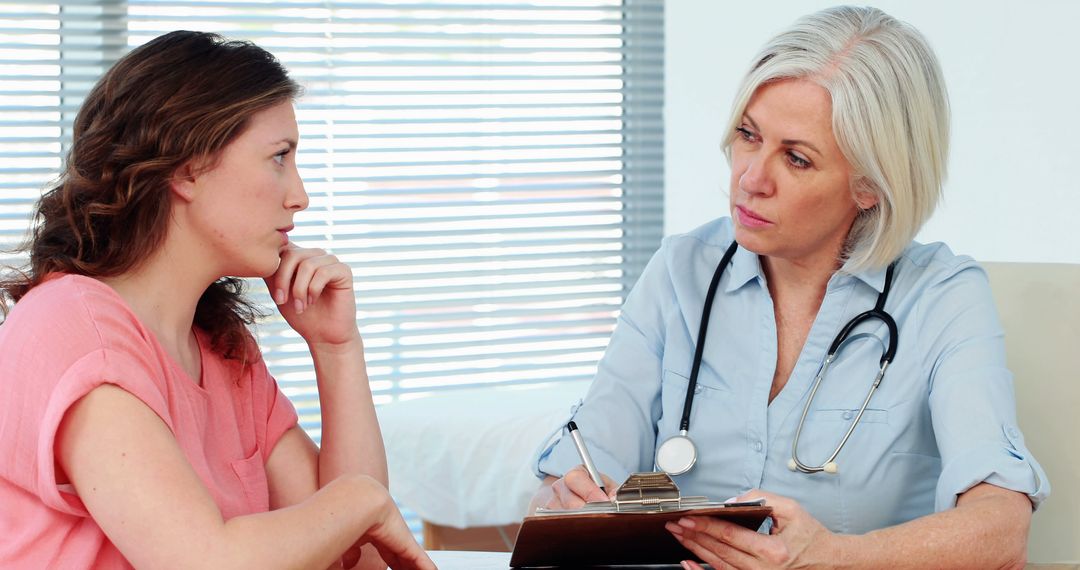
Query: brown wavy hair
x=178, y=99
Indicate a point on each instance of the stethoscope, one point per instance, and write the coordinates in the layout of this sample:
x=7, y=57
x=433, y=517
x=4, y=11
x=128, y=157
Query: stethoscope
x=677, y=454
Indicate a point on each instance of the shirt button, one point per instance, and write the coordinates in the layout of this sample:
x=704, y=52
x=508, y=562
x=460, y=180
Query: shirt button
x=848, y=414
x=757, y=446
x=697, y=390
x=1013, y=432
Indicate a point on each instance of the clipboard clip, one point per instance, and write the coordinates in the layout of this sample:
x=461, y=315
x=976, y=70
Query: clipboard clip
x=651, y=492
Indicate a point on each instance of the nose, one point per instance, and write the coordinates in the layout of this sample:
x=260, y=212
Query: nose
x=297, y=198
x=755, y=178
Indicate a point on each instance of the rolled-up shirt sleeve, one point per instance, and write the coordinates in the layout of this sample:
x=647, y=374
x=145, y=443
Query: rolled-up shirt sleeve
x=972, y=403
x=618, y=416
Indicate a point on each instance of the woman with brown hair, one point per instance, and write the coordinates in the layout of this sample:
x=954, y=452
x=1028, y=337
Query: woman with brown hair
x=139, y=424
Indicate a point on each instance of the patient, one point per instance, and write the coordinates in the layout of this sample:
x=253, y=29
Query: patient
x=139, y=424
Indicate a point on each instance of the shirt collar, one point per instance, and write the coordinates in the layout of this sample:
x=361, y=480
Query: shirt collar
x=875, y=278
x=746, y=266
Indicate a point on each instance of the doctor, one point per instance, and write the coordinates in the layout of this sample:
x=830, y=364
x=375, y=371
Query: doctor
x=837, y=144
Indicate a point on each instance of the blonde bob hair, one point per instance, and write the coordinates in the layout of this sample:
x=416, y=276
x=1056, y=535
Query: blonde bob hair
x=890, y=115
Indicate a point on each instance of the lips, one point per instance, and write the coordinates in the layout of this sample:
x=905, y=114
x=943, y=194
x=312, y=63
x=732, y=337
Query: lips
x=751, y=219
x=284, y=233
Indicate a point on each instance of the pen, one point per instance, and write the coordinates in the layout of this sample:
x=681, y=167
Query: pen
x=584, y=453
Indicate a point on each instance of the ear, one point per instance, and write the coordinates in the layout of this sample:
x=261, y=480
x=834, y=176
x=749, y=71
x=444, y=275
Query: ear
x=865, y=199
x=183, y=183
x=863, y=193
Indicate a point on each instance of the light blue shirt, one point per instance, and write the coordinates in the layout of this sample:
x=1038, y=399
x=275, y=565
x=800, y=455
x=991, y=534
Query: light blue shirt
x=942, y=421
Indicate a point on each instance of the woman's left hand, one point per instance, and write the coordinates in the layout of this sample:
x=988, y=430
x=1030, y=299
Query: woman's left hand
x=314, y=292
x=797, y=540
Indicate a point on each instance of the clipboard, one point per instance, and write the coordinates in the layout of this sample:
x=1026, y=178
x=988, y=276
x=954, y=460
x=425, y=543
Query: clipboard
x=628, y=530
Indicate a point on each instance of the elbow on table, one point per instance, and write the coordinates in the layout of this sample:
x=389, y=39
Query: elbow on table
x=1016, y=555
x=1015, y=544
x=1001, y=519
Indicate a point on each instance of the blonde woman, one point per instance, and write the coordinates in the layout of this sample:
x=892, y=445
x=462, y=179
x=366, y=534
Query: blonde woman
x=852, y=377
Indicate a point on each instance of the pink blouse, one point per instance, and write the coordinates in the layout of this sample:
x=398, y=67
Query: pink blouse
x=73, y=333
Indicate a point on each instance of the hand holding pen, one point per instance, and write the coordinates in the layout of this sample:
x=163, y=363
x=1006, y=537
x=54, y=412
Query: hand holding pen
x=583, y=483
x=576, y=486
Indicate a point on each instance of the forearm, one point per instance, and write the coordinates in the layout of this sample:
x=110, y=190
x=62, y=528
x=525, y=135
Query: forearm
x=987, y=529
x=311, y=534
x=351, y=440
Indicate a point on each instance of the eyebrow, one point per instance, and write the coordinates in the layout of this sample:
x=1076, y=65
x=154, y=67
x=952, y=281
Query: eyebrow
x=292, y=142
x=787, y=142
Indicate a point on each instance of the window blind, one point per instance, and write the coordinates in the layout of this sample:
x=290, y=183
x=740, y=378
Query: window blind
x=491, y=170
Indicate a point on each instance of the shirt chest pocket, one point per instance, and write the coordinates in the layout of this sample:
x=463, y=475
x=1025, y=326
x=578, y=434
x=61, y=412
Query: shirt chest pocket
x=870, y=415
x=251, y=473
x=673, y=388
x=708, y=385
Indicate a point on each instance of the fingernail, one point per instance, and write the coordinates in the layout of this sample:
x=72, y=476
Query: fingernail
x=673, y=528
x=279, y=297
x=688, y=523
x=299, y=305
x=685, y=564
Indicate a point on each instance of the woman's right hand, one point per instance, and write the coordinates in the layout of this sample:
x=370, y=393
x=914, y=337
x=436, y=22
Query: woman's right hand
x=573, y=490
x=392, y=537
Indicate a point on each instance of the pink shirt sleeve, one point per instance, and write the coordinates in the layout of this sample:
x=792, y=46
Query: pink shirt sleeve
x=57, y=352
x=93, y=370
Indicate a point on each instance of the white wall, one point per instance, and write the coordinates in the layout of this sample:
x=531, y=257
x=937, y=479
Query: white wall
x=1013, y=73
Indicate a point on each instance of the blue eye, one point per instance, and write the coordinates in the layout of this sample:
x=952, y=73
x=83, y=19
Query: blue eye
x=745, y=134
x=797, y=161
x=280, y=157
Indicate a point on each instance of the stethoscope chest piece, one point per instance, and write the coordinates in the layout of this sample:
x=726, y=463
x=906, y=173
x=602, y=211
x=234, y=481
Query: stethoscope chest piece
x=676, y=455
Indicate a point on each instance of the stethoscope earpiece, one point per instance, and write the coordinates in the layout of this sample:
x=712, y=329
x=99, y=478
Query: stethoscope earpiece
x=830, y=467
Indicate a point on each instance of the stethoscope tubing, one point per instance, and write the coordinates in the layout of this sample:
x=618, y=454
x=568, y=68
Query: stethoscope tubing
x=799, y=465
x=699, y=350
x=878, y=312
